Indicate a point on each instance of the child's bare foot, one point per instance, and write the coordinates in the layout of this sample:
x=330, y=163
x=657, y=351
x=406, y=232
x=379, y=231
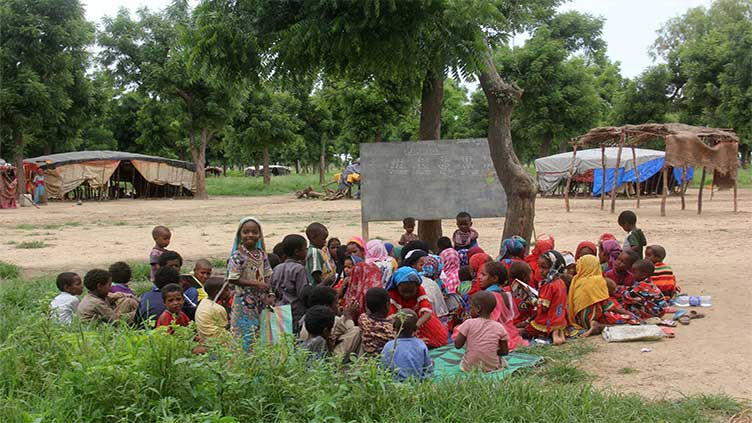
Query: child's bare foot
x=559, y=338
x=595, y=329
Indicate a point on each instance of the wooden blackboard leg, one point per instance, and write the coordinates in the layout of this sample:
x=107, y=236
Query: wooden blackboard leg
x=364, y=227
x=429, y=231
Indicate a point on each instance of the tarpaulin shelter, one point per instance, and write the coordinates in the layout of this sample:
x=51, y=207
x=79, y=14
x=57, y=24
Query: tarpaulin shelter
x=686, y=146
x=113, y=174
x=588, y=168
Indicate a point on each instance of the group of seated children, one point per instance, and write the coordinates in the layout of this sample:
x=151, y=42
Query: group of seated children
x=390, y=302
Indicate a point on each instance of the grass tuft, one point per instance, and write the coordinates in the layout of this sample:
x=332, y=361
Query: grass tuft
x=254, y=187
x=626, y=371
x=9, y=270
x=30, y=245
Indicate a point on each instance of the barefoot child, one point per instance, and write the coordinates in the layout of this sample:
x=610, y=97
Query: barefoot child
x=622, y=271
x=161, y=236
x=172, y=295
x=551, y=315
x=663, y=276
x=290, y=278
x=63, y=307
x=485, y=340
x=635, y=240
x=407, y=356
x=375, y=329
x=408, y=224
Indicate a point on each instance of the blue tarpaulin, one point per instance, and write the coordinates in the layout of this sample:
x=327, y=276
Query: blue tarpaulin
x=647, y=170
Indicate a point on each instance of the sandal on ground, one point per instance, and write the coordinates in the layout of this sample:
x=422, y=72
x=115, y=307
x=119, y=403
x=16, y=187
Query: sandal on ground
x=685, y=320
x=695, y=315
x=669, y=333
x=670, y=323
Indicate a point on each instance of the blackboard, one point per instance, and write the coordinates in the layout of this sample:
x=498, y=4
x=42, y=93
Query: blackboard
x=429, y=180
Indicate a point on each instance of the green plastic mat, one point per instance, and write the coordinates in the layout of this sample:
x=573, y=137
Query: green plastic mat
x=447, y=362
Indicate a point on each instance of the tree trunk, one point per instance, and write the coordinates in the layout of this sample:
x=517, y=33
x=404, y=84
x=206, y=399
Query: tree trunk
x=431, y=101
x=545, y=147
x=297, y=166
x=267, y=174
x=20, y=174
x=744, y=151
x=378, y=136
x=563, y=144
x=519, y=186
x=322, y=162
x=198, y=154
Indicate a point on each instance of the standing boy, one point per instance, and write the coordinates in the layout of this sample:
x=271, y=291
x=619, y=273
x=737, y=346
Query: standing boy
x=290, y=277
x=635, y=240
x=161, y=236
x=318, y=264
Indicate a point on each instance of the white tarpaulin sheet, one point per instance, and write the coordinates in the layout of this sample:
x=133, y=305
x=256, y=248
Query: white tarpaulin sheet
x=164, y=174
x=552, y=169
x=64, y=179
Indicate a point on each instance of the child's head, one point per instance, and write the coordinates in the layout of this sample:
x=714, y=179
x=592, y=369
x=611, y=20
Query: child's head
x=273, y=260
x=407, y=281
x=625, y=261
x=250, y=234
x=415, y=259
x=202, y=270
x=321, y=295
x=69, y=282
x=570, y=262
x=333, y=244
x=348, y=265
x=317, y=234
x=655, y=253
x=98, y=282
x=171, y=259
x=166, y=275
x=465, y=273
x=377, y=301
x=627, y=220
x=642, y=269
x=213, y=287
x=161, y=236
x=295, y=247
x=319, y=321
x=279, y=251
x=492, y=273
x=409, y=224
x=405, y=323
x=464, y=221
x=443, y=243
x=521, y=271
x=120, y=272
x=172, y=296
x=482, y=304
x=355, y=249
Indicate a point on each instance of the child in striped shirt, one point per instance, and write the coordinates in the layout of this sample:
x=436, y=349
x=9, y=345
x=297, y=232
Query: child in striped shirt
x=663, y=276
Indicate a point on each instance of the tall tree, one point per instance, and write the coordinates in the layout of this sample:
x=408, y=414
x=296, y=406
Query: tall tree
x=708, y=55
x=646, y=98
x=415, y=42
x=42, y=63
x=159, y=54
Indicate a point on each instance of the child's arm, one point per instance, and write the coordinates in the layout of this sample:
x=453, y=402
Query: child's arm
x=503, y=347
x=459, y=341
x=424, y=317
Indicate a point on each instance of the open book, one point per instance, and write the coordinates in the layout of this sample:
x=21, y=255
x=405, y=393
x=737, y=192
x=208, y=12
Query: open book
x=524, y=291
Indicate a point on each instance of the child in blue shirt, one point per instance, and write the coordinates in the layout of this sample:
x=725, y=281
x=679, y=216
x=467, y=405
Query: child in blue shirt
x=407, y=356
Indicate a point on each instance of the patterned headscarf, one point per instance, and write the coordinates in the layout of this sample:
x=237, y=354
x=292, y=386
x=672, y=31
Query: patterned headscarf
x=413, y=256
x=357, y=240
x=613, y=249
x=512, y=247
x=450, y=276
x=431, y=267
x=558, y=265
x=389, y=248
x=405, y=274
x=376, y=251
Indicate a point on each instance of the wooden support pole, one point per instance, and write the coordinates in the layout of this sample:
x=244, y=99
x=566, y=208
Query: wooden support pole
x=616, y=174
x=699, y=194
x=569, y=178
x=603, y=177
x=637, y=175
x=712, y=187
x=735, y=209
x=683, y=185
x=665, y=190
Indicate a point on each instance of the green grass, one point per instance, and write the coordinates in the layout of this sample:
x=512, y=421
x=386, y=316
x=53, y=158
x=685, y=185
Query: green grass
x=626, y=371
x=9, y=270
x=254, y=187
x=29, y=245
x=30, y=227
x=50, y=373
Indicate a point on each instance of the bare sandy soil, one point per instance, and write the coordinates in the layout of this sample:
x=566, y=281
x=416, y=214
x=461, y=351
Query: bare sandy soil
x=708, y=254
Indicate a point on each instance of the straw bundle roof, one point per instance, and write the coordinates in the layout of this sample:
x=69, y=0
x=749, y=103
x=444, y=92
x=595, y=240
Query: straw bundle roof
x=637, y=134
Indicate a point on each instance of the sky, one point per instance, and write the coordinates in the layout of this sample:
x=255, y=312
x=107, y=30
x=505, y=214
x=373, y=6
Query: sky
x=629, y=29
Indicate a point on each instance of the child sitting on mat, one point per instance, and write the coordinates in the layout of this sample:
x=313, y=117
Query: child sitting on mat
x=663, y=276
x=407, y=356
x=319, y=321
x=622, y=271
x=172, y=296
x=484, y=340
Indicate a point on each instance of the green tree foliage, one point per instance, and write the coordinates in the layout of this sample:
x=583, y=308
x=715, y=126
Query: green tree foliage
x=43, y=91
x=159, y=54
x=646, y=98
x=709, y=54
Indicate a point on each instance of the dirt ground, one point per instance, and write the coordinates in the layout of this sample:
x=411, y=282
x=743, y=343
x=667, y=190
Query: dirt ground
x=712, y=355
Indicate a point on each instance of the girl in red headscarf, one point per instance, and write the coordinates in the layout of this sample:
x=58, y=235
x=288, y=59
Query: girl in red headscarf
x=543, y=244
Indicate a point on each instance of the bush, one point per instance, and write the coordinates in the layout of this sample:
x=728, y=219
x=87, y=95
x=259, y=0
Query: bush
x=9, y=270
